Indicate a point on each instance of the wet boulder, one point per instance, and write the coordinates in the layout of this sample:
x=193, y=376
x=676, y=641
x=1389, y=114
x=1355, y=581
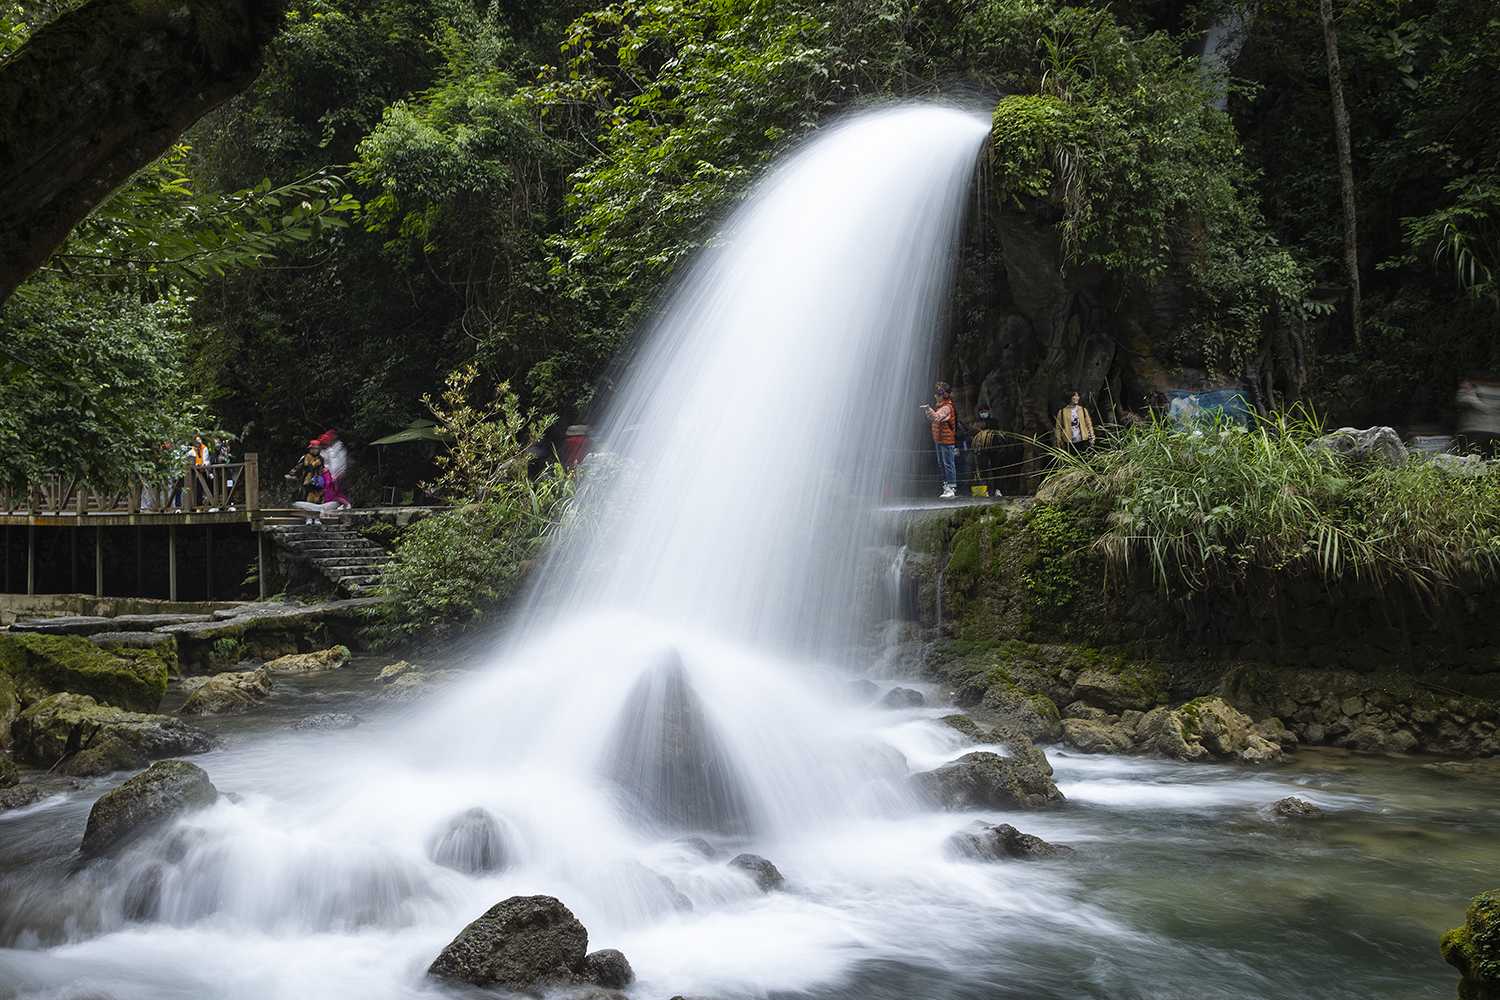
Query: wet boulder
x=965, y=726
x=1033, y=716
x=1205, y=728
x=471, y=843
x=764, y=874
x=323, y=659
x=609, y=968
x=13, y=793
x=1381, y=445
x=861, y=692
x=985, y=780
x=982, y=842
x=164, y=791
x=416, y=683
x=1292, y=807
x=900, y=697
x=1115, y=693
x=391, y=671
x=101, y=758
x=41, y=665
x=517, y=943
x=230, y=693
x=1088, y=736
x=65, y=724
x=328, y=720
x=1474, y=949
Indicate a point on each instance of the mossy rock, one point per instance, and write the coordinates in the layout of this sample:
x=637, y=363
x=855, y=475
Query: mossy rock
x=113, y=754
x=65, y=724
x=41, y=665
x=965, y=725
x=167, y=790
x=1474, y=949
x=10, y=775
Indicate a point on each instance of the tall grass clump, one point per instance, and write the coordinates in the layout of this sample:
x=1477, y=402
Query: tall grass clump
x=1213, y=504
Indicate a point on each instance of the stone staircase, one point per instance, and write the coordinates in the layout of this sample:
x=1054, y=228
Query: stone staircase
x=341, y=556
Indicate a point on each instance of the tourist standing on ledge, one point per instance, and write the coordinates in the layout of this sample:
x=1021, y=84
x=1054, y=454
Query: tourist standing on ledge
x=1075, y=429
x=944, y=426
x=1479, y=414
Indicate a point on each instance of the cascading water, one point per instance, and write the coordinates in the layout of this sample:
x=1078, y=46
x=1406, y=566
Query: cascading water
x=676, y=698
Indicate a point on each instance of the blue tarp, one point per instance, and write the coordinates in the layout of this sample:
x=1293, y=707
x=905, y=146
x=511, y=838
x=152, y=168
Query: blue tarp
x=1191, y=407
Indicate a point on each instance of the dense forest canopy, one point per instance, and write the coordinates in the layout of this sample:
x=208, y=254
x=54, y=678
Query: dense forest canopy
x=411, y=187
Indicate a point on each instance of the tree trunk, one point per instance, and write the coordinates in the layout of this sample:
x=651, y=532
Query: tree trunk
x=1346, y=167
x=103, y=91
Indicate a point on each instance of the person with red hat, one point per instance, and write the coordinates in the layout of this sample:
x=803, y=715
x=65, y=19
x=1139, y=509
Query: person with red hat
x=309, y=474
x=335, y=461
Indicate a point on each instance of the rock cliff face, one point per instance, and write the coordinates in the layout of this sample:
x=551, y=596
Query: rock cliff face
x=1017, y=616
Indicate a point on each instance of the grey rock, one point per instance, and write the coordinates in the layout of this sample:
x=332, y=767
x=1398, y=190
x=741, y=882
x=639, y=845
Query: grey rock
x=699, y=846
x=517, y=943
x=608, y=968
x=1292, y=807
x=131, y=640
x=1115, y=693
x=323, y=659
x=1096, y=737
x=229, y=693
x=328, y=720
x=1370, y=444
x=471, y=843
x=900, y=697
x=985, y=780
x=982, y=842
x=1032, y=716
x=861, y=692
x=967, y=726
x=101, y=758
x=19, y=796
x=164, y=791
x=66, y=724
x=766, y=877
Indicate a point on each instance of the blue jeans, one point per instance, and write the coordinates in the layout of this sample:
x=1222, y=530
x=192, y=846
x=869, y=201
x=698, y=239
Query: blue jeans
x=946, y=466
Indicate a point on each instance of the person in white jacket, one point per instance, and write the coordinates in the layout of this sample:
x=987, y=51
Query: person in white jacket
x=1478, y=402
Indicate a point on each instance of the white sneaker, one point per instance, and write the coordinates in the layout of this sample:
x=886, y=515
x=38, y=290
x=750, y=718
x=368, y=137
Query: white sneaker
x=947, y=493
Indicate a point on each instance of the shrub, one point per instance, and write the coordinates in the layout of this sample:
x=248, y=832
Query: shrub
x=1210, y=505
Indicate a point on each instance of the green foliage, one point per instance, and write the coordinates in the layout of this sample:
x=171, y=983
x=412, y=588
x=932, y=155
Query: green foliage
x=1063, y=564
x=1213, y=505
x=95, y=384
x=157, y=233
x=451, y=567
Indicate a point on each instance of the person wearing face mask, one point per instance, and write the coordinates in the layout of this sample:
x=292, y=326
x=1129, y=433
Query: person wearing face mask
x=986, y=445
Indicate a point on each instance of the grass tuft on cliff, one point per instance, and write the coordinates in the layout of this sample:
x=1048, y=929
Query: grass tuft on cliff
x=1211, y=505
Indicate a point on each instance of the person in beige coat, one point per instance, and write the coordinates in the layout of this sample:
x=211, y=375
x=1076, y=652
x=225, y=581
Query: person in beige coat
x=1074, y=430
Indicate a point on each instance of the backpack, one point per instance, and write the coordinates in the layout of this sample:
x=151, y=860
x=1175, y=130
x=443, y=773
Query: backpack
x=960, y=432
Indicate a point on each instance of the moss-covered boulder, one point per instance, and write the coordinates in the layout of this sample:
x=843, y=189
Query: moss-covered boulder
x=517, y=943
x=65, y=724
x=41, y=665
x=101, y=758
x=230, y=693
x=166, y=790
x=324, y=659
x=1474, y=949
x=1204, y=729
x=10, y=776
x=984, y=780
x=966, y=726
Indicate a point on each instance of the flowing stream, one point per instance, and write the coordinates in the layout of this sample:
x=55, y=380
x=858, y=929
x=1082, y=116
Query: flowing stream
x=677, y=696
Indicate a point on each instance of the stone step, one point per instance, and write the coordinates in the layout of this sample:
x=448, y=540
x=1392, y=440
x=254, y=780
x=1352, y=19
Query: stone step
x=337, y=561
x=360, y=573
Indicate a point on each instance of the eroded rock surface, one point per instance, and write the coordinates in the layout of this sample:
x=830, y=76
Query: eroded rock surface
x=230, y=693
x=332, y=658
x=1474, y=949
x=982, y=842
x=164, y=791
x=517, y=943
x=986, y=780
x=65, y=724
x=766, y=876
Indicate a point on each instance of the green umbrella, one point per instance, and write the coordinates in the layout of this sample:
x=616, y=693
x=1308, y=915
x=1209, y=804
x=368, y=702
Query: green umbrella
x=417, y=430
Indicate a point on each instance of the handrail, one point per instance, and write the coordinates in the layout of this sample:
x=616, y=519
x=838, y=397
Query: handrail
x=221, y=486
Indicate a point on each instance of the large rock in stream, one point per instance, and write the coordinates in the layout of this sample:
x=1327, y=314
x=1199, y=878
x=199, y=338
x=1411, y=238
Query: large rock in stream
x=229, y=693
x=65, y=725
x=36, y=666
x=982, y=842
x=1474, y=949
x=528, y=941
x=985, y=780
x=164, y=791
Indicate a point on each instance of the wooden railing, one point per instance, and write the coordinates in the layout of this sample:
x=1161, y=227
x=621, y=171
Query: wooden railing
x=234, y=485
